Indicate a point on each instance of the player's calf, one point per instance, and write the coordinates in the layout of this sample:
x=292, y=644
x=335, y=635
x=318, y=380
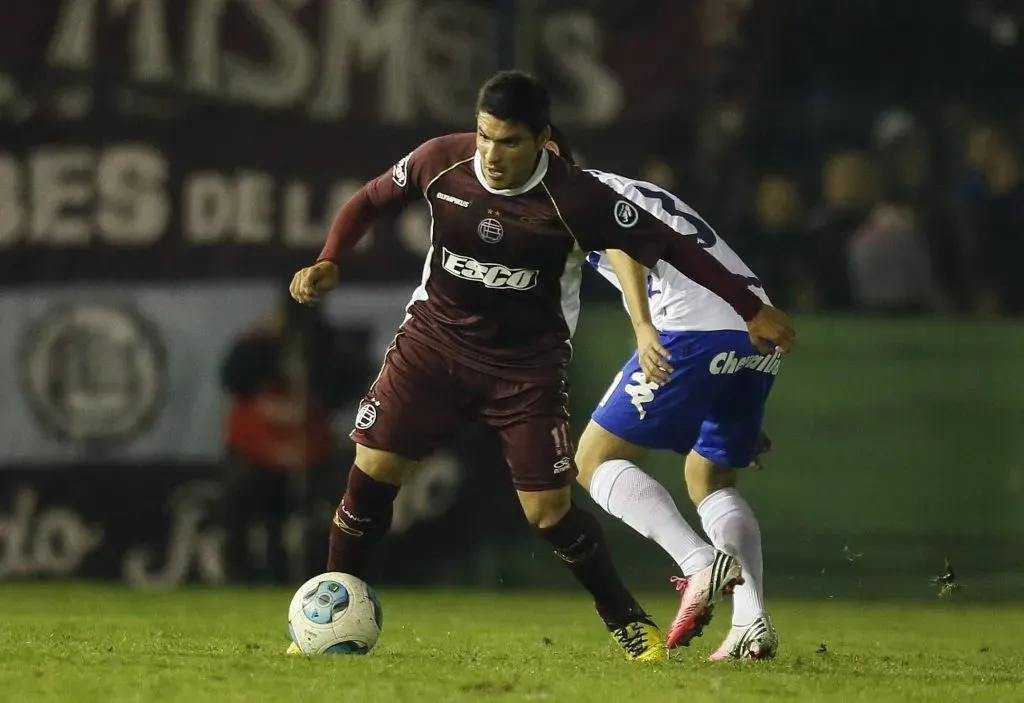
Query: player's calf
x=579, y=542
x=363, y=516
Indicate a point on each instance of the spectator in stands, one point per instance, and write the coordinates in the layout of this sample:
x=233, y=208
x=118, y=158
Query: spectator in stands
x=775, y=243
x=656, y=170
x=991, y=192
x=285, y=378
x=908, y=179
x=890, y=269
x=848, y=185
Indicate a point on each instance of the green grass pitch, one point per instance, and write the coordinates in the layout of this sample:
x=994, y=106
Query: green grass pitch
x=88, y=644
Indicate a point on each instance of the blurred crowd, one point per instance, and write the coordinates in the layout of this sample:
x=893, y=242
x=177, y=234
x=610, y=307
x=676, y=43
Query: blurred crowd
x=885, y=230
x=874, y=164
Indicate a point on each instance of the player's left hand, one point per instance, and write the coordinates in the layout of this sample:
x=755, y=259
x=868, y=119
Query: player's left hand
x=654, y=358
x=771, y=331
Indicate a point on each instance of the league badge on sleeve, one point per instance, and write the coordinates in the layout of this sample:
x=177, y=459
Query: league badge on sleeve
x=626, y=214
x=400, y=173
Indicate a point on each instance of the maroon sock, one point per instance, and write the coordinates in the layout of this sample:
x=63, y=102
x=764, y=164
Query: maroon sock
x=579, y=542
x=362, y=519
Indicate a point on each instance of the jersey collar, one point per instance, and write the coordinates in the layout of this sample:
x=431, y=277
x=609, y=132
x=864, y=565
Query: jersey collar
x=537, y=177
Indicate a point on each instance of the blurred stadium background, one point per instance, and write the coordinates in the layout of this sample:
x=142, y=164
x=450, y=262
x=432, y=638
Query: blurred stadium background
x=165, y=166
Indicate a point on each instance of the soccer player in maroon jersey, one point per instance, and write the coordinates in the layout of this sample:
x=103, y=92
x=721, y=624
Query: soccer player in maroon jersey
x=487, y=332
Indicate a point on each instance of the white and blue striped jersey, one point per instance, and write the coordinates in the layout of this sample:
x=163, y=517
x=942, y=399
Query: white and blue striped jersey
x=677, y=303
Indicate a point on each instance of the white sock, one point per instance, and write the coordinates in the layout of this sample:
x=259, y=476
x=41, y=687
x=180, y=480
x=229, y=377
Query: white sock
x=733, y=529
x=629, y=494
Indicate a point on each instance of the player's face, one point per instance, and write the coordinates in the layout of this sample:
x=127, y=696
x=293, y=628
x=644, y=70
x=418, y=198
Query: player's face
x=509, y=151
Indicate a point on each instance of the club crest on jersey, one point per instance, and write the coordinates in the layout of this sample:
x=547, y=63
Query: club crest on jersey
x=490, y=230
x=400, y=173
x=366, y=416
x=626, y=213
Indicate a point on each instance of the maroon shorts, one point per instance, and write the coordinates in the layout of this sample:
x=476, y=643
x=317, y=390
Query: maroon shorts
x=422, y=398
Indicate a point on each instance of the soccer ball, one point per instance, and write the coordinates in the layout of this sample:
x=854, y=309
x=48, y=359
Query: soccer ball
x=335, y=613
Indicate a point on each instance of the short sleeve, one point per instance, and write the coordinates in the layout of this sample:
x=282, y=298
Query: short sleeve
x=602, y=219
x=410, y=176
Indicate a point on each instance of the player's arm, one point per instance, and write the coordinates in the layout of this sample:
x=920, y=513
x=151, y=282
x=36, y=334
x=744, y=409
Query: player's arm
x=612, y=222
x=654, y=358
x=770, y=328
x=386, y=194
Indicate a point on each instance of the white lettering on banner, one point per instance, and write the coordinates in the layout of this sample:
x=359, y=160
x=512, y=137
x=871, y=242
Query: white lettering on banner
x=76, y=196
x=286, y=78
x=73, y=44
x=208, y=207
x=427, y=57
x=573, y=42
x=220, y=209
x=192, y=541
x=297, y=225
x=132, y=204
x=52, y=542
x=69, y=196
x=255, y=206
x=353, y=40
x=59, y=181
x=150, y=44
x=456, y=53
x=300, y=231
x=202, y=47
x=12, y=214
x=195, y=544
x=15, y=104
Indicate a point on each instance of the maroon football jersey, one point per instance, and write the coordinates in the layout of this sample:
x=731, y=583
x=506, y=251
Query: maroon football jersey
x=500, y=288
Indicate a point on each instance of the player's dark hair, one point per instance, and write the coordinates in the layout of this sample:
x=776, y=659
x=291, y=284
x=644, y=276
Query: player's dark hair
x=560, y=140
x=515, y=96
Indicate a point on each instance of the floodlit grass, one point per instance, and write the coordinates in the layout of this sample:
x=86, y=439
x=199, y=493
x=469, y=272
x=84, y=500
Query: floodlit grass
x=111, y=645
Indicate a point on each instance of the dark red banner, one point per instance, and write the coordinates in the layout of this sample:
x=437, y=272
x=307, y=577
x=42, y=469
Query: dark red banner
x=216, y=139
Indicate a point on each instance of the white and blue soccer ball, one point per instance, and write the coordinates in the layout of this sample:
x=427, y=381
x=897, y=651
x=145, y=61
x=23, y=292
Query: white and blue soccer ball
x=335, y=613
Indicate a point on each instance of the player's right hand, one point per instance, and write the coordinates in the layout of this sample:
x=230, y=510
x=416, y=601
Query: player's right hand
x=309, y=283
x=654, y=358
x=771, y=331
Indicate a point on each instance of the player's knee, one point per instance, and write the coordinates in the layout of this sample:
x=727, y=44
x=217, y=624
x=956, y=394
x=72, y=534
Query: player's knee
x=588, y=458
x=596, y=446
x=704, y=477
x=545, y=508
x=383, y=466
